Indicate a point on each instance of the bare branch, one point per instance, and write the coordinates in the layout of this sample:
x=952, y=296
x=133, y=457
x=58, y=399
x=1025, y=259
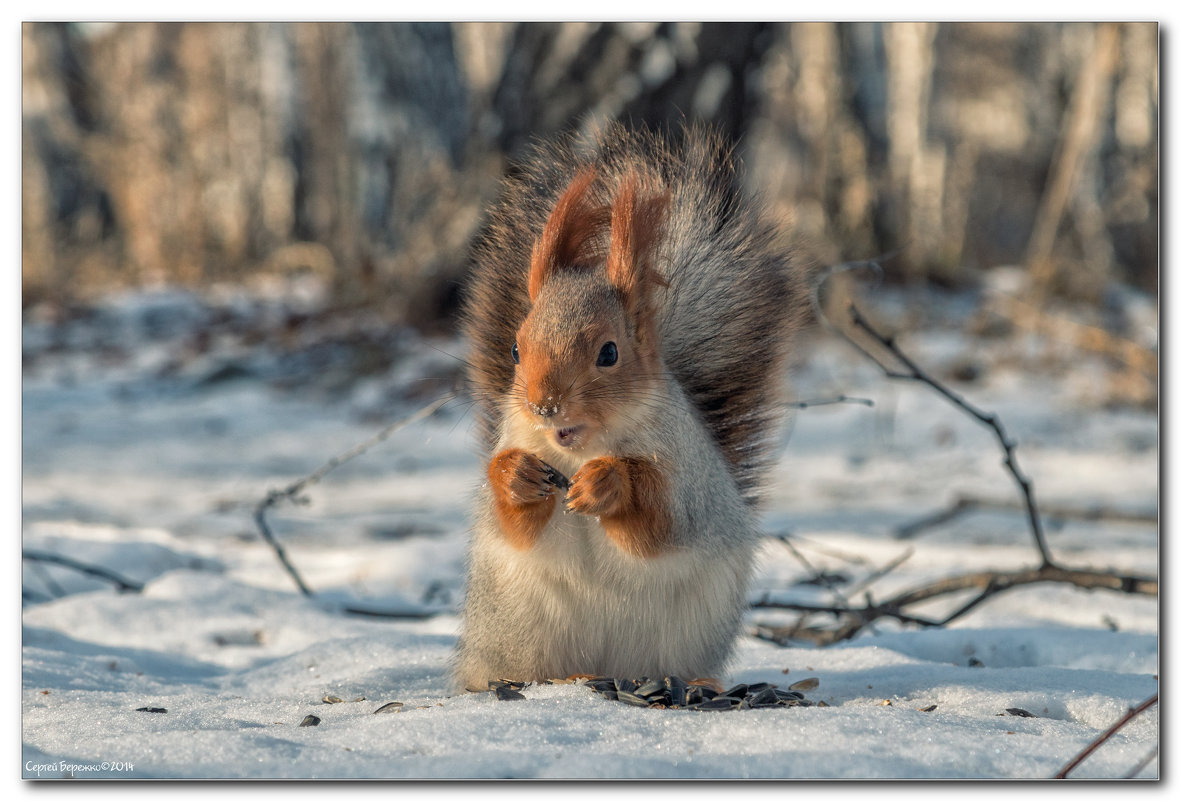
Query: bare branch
x=987, y=583
x=1106, y=735
x=293, y=493
x=402, y=614
x=960, y=507
x=124, y=584
x=881, y=572
x=271, y=499
x=965, y=504
x=54, y=589
x=818, y=576
x=807, y=404
x=821, y=548
x=1085, y=579
x=915, y=373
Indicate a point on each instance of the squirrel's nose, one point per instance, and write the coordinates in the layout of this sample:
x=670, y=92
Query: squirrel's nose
x=546, y=409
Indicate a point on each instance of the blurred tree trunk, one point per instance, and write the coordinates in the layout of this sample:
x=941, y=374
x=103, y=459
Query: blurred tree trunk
x=190, y=153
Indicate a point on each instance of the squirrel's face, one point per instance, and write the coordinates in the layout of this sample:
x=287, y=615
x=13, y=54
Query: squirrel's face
x=582, y=368
x=586, y=356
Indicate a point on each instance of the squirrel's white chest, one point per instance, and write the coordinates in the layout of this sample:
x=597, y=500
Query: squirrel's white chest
x=621, y=612
x=575, y=567
x=575, y=549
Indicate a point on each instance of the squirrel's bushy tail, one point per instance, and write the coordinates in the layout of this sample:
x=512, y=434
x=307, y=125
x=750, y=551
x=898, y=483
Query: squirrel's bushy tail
x=736, y=292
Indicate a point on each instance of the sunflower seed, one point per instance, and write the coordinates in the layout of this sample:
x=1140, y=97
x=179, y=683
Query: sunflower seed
x=677, y=693
x=331, y=699
x=650, y=688
x=720, y=704
x=156, y=709
x=765, y=697
x=506, y=693
x=496, y=684
x=310, y=720
x=677, y=690
x=632, y=698
x=1018, y=712
x=392, y=706
x=555, y=477
x=788, y=695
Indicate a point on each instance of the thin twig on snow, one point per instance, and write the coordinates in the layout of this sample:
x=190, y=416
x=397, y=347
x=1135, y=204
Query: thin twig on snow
x=964, y=504
x=986, y=583
x=1132, y=713
x=294, y=493
x=913, y=372
x=124, y=584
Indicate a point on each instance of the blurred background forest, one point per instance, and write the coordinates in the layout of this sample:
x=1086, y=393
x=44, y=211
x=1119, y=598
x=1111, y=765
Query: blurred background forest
x=363, y=155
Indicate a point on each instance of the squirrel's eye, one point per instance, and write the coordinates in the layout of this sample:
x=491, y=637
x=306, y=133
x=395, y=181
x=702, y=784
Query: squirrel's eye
x=515, y=353
x=608, y=355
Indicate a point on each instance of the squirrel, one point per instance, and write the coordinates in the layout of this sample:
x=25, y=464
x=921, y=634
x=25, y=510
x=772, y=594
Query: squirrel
x=629, y=318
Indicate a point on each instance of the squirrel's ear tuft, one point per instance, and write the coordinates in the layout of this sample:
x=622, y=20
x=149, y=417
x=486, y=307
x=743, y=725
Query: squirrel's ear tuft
x=636, y=230
x=572, y=233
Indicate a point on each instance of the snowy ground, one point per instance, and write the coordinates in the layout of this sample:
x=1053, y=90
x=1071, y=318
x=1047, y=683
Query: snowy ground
x=150, y=464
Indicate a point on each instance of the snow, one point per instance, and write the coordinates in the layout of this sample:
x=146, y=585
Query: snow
x=145, y=459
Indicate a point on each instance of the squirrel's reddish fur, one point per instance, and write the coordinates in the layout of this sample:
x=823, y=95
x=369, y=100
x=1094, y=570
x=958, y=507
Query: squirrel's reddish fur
x=630, y=497
x=628, y=318
x=523, y=504
x=760, y=291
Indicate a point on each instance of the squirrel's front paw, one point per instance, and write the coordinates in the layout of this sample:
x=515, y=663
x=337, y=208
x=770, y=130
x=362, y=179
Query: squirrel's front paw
x=601, y=487
x=629, y=495
x=523, y=487
x=521, y=477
